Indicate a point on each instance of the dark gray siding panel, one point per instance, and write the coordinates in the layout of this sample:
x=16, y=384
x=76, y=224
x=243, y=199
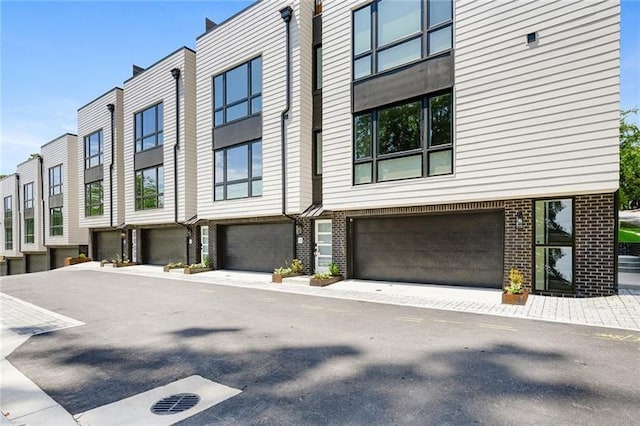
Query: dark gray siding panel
x=29, y=213
x=150, y=158
x=58, y=255
x=56, y=201
x=15, y=266
x=418, y=79
x=454, y=249
x=317, y=29
x=244, y=130
x=163, y=245
x=106, y=245
x=93, y=174
x=36, y=262
x=256, y=247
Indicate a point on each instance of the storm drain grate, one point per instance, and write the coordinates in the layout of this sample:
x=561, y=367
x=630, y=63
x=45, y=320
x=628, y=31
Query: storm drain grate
x=175, y=404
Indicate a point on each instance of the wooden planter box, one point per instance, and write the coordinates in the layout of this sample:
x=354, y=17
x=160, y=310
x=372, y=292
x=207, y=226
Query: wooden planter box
x=190, y=271
x=167, y=269
x=515, y=299
x=277, y=278
x=122, y=265
x=317, y=282
x=75, y=260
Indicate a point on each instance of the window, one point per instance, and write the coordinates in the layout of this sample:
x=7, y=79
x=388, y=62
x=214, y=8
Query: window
x=394, y=143
x=317, y=153
x=388, y=33
x=93, y=199
x=93, y=150
x=29, y=231
x=150, y=188
x=317, y=81
x=148, y=128
x=28, y=195
x=55, y=221
x=55, y=180
x=8, y=223
x=238, y=171
x=238, y=92
x=554, y=245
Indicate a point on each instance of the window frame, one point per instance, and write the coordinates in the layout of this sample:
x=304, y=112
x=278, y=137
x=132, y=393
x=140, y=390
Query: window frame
x=29, y=238
x=56, y=230
x=139, y=197
x=28, y=201
x=8, y=222
x=55, y=188
x=423, y=35
x=317, y=68
x=317, y=154
x=249, y=98
x=87, y=150
x=250, y=179
x=88, y=205
x=424, y=149
x=158, y=134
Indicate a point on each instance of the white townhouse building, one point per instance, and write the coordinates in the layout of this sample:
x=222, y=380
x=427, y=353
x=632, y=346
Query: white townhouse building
x=10, y=241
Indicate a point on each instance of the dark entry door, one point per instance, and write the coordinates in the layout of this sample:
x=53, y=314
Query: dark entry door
x=256, y=247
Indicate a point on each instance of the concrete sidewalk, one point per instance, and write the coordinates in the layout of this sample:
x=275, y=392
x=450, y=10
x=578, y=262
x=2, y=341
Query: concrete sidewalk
x=621, y=311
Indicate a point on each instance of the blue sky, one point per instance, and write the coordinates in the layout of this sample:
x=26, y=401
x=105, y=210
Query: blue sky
x=57, y=56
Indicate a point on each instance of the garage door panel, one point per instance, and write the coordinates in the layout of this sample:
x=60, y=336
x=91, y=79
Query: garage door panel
x=256, y=247
x=58, y=255
x=163, y=245
x=36, y=262
x=455, y=249
x=106, y=245
x=14, y=266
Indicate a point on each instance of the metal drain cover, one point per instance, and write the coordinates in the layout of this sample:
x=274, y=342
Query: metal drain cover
x=175, y=404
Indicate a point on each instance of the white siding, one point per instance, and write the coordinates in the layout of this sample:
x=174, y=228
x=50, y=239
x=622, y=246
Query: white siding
x=154, y=85
x=91, y=118
x=8, y=188
x=63, y=151
x=260, y=30
x=529, y=121
x=29, y=171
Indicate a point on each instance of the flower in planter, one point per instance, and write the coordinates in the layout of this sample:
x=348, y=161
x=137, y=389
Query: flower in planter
x=516, y=279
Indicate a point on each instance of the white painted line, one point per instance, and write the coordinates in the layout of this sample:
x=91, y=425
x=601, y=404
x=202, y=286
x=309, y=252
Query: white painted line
x=136, y=410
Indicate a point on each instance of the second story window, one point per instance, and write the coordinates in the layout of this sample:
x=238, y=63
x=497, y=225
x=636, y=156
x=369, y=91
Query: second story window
x=55, y=180
x=93, y=150
x=149, y=128
x=28, y=195
x=93, y=199
x=8, y=223
x=238, y=92
x=56, y=227
x=150, y=188
x=29, y=231
x=387, y=33
x=317, y=80
x=238, y=171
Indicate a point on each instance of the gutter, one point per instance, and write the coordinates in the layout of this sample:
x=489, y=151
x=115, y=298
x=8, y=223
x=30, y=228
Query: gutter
x=111, y=108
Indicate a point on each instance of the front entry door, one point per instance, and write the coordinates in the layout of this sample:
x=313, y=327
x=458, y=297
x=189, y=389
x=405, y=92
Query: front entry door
x=204, y=243
x=322, y=252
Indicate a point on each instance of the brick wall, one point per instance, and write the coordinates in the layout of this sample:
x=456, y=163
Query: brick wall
x=304, y=249
x=339, y=241
x=517, y=242
x=213, y=244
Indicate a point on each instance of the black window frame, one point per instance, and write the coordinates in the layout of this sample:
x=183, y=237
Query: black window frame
x=56, y=230
x=89, y=206
x=8, y=222
x=158, y=133
x=425, y=148
x=27, y=191
x=317, y=67
x=139, y=196
x=29, y=237
x=249, y=99
x=88, y=158
x=55, y=188
x=317, y=153
x=249, y=179
x=423, y=35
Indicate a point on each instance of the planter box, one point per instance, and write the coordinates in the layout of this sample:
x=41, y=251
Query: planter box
x=317, y=282
x=167, y=269
x=277, y=278
x=75, y=260
x=515, y=299
x=122, y=265
x=190, y=271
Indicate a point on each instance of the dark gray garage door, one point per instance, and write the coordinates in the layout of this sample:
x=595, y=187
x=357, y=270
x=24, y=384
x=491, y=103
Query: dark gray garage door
x=454, y=249
x=58, y=255
x=256, y=247
x=164, y=245
x=36, y=262
x=14, y=266
x=106, y=244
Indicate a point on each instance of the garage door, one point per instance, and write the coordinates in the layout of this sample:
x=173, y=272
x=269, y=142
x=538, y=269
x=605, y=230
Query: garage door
x=256, y=247
x=58, y=255
x=14, y=266
x=106, y=244
x=453, y=249
x=164, y=245
x=36, y=262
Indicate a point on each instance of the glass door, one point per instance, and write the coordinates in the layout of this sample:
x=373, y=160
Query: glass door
x=323, y=251
x=204, y=243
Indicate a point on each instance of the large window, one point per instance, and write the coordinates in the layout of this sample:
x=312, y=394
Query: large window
x=93, y=199
x=28, y=195
x=55, y=221
x=8, y=223
x=93, y=150
x=317, y=70
x=238, y=171
x=317, y=153
x=388, y=33
x=55, y=180
x=150, y=188
x=29, y=231
x=149, y=128
x=404, y=141
x=554, y=245
x=237, y=92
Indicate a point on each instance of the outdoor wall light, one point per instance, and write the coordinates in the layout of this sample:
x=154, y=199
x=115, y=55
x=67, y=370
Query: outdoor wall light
x=298, y=228
x=519, y=220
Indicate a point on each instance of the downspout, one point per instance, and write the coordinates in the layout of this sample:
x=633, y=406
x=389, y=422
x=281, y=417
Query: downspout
x=175, y=72
x=44, y=231
x=287, y=14
x=111, y=108
x=19, y=213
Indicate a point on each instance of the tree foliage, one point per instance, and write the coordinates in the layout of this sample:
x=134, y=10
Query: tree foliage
x=629, y=161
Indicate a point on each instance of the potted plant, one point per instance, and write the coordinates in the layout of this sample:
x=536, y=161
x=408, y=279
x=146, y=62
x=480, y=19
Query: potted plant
x=119, y=262
x=75, y=260
x=197, y=268
x=324, y=279
x=515, y=293
x=294, y=269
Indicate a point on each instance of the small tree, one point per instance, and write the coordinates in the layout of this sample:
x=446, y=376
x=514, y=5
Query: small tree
x=629, y=161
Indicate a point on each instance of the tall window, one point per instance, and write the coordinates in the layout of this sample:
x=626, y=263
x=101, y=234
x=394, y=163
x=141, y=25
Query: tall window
x=149, y=128
x=409, y=140
x=237, y=92
x=317, y=71
x=8, y=223
x=28, y=195
x=238, y=171
x=55, y=221
x=317, y=153
x=55, y=180
x=150, y=188
x=93, y=199
x=554, y=240
x=93, y=150
x=29, y=231
x=387, y=33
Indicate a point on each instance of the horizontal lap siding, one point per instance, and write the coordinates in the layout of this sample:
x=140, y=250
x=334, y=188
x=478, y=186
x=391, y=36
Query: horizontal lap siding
x=29, y=171
x=529, y=121
x=8, y=188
